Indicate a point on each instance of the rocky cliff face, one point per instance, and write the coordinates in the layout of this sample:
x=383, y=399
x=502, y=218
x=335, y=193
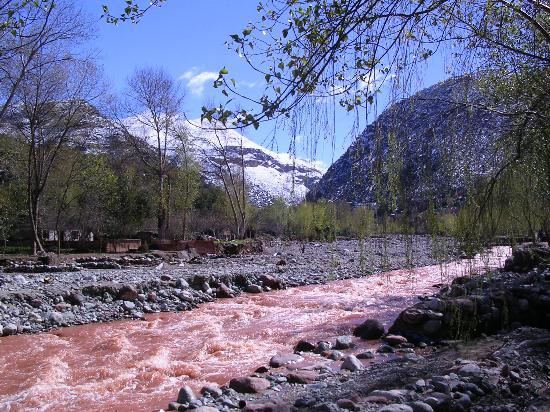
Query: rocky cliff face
x=430, y=145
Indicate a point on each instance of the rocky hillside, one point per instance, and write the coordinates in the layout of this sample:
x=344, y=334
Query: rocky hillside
x=427, y=146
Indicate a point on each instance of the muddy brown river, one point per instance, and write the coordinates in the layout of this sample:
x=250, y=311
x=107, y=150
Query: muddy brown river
x=140, y=365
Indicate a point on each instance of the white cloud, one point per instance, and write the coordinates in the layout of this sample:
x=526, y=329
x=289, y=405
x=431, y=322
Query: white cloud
x=196, y=80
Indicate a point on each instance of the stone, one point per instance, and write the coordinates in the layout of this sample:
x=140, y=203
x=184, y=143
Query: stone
x=396, y=407
x=127, y=292
x=432, y=326
x=385, y=349
x=254, y=289
x=390, y=396
x=322, y=347
x=271, y=282
x=128, y=306
x=1, y=330
x=470, y=369
x=282, y=359
x=343, y=342
x=56, y=318
x=302, y=377
x=268, y=406
x=224, y=292
x=211, y=390
x=351, y=363
x=419, y=406
x=304, y=402
x=186, y=395
x=10, y=329
x=304, y=346
x=413, y=316
x=206, y=409
x=75, y=298
x=395, y=340
x=249, y=384
x=333, y=354
x=326, y=407
x=365, y=355
x=347, y=404
x=369, y=329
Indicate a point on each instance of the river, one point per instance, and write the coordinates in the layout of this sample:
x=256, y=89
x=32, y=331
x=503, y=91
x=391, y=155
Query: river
x=140, y=365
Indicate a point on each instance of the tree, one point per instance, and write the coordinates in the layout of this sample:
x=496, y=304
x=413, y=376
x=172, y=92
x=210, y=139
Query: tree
x=186, y=180
x=151, y=108
x=52, y=113
x=229, y=169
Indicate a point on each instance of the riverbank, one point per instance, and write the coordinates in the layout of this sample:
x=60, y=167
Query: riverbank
x=36, y=302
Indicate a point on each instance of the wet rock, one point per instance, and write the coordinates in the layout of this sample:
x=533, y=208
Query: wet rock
x=343, y=342
x=211, y=390
x=396, y=407
x=351, y=363
x=302, y=377
x=365, y=355
x=282, y=359
x=224, y=291
x=395, y=340
x=369, y=329
x=419, y=406
x=269, y=406
x=254, y=289
x=304, y=346
x=186, y=395
x=9, y=329
x=249, y=384
x=271, y=282
x=1, y=330
x=206, y=409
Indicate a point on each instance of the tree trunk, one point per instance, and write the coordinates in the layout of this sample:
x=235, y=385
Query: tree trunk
x=33, y=217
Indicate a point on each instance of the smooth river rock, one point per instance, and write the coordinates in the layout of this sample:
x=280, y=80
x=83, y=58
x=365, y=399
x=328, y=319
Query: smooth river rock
x=249, y=384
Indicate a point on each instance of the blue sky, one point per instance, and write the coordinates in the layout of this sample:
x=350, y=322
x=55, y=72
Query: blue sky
x=187, y=38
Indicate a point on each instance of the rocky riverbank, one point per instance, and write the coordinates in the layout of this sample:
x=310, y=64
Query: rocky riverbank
x=34, y=299
x=451, y=366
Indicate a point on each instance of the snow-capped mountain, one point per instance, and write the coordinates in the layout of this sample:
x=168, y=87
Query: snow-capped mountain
x=268, y=174
x=441, y=141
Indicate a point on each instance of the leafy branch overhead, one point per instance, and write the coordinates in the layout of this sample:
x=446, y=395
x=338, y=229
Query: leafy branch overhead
x=345, y=50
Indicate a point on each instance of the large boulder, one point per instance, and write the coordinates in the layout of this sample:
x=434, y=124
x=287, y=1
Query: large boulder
x=369, y=329
x=527, y=256
x=249, y=384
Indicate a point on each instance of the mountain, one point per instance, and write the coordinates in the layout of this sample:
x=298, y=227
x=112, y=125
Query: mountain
x=268, y=174
x=428, y=146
